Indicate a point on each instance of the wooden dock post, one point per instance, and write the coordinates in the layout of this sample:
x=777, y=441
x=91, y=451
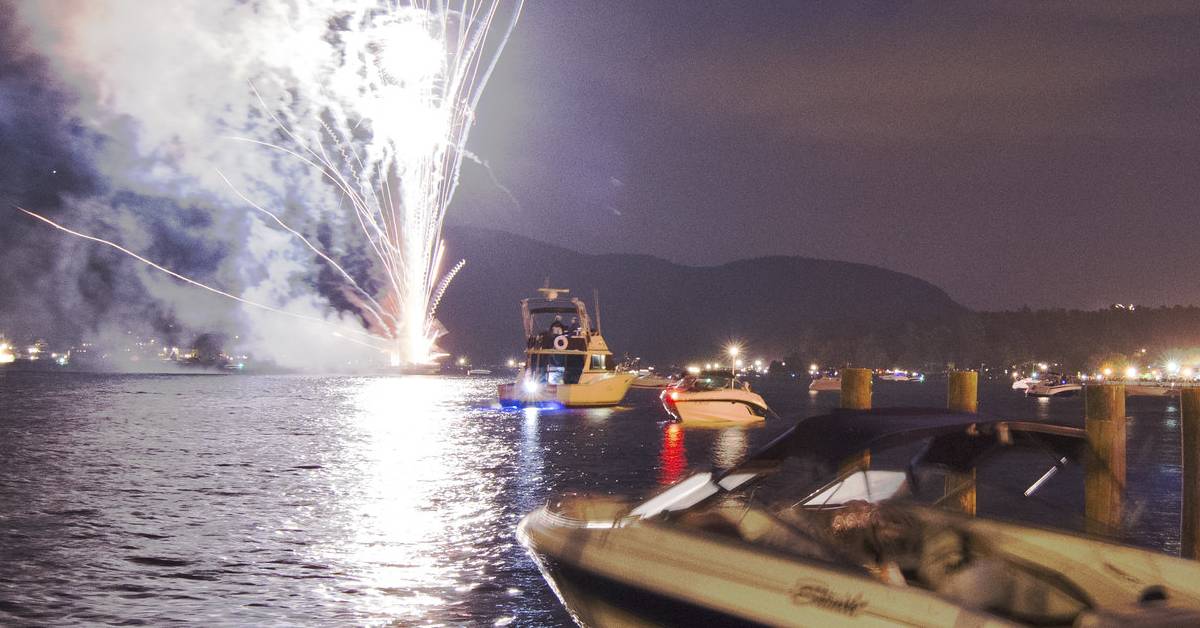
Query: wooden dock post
x=1189, y=534
x=962, y=391
x=962, y=395
x=856, y=389
x=1104, y=475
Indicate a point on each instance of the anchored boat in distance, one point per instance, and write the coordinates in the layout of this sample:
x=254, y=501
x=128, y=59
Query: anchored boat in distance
x=825, y=382
x=567, y=362
x=714, y=398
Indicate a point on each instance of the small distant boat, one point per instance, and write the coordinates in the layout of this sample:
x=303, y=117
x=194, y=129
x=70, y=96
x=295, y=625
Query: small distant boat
x=902, y=376
x=479, y=372
x=713, y=398
x=649, y=379
x=1024, y=383
x=826, y=382
x=567, y=362
x=1053, y=385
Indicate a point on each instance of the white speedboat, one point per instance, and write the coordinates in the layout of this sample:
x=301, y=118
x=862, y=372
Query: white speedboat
x=567, y=362
x=1053, y=385
x=808, y=533
x=714, y=398
x=479, y=372
x=826, y=382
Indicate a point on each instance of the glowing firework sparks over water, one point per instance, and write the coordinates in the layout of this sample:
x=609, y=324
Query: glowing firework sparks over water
x=388, y=105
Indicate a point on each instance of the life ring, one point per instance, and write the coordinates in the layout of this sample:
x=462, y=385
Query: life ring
x=561, y=342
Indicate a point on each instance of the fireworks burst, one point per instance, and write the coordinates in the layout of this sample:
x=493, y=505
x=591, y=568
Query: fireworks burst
x=389, y=109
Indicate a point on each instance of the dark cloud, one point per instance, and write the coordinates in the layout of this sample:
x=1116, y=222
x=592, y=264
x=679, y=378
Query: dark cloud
x=43, y=162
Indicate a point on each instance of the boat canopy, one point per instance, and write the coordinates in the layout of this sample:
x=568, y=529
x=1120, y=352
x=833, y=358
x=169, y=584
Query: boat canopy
x=540, y=314
x=553, y=310
x=820, y=448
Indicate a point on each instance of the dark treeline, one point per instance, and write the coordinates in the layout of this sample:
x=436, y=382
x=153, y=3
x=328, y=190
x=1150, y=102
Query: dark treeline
x=1075, y=339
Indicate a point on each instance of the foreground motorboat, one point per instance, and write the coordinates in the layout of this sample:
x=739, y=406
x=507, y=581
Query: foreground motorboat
x=714, y=398
x=843, y=520
x=567, y=362
x=1053, y=385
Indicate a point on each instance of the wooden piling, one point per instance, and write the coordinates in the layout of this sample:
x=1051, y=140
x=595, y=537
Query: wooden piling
x=962, y=391
x=856, y=389
x=1189, y=409
x=962, y=395
x=1104, y=474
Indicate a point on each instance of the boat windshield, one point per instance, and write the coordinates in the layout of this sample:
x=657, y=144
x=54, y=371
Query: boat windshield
x=711, y=381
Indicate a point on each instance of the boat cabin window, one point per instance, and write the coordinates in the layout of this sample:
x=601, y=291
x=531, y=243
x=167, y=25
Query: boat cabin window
x=555, y=368
x=597, y=362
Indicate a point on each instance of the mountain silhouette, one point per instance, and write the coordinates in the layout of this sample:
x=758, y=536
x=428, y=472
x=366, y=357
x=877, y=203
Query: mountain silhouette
x=670, y=313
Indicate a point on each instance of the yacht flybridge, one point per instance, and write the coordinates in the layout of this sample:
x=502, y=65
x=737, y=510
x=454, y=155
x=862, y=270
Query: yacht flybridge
x=859, y=518
x=567, y=362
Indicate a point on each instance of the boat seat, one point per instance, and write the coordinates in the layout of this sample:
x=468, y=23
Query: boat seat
x=759, y=527
x=955, y=567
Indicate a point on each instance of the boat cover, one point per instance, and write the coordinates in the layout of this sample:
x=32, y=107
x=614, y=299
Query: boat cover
x=957, y=440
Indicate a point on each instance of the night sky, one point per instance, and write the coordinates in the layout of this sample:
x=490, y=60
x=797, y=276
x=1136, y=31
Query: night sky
x=1012, y=153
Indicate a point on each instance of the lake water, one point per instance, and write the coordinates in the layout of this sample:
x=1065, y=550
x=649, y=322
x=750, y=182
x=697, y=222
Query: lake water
x=295, y=500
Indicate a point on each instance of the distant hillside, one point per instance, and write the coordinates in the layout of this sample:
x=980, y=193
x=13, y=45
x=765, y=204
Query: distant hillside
x=666, y=312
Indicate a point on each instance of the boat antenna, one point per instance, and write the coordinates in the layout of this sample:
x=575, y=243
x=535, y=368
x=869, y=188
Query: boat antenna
x=596, y=300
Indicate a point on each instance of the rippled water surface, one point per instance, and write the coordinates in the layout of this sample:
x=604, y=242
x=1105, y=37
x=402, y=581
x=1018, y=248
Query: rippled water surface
x=225, y=500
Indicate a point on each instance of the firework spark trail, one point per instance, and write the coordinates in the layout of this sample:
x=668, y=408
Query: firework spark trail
x=495, y=180
x=186, y=279
x=373, y=308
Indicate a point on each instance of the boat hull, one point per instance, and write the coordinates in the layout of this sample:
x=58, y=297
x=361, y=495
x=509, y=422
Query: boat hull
x=612, y=568
x=604, y=391
x=651, y=381
x=648, y=574
x=1057, y=390
x=718, y=407
x=826, y=384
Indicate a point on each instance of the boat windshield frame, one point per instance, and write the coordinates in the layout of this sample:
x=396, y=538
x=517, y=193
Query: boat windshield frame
x=956, y=442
